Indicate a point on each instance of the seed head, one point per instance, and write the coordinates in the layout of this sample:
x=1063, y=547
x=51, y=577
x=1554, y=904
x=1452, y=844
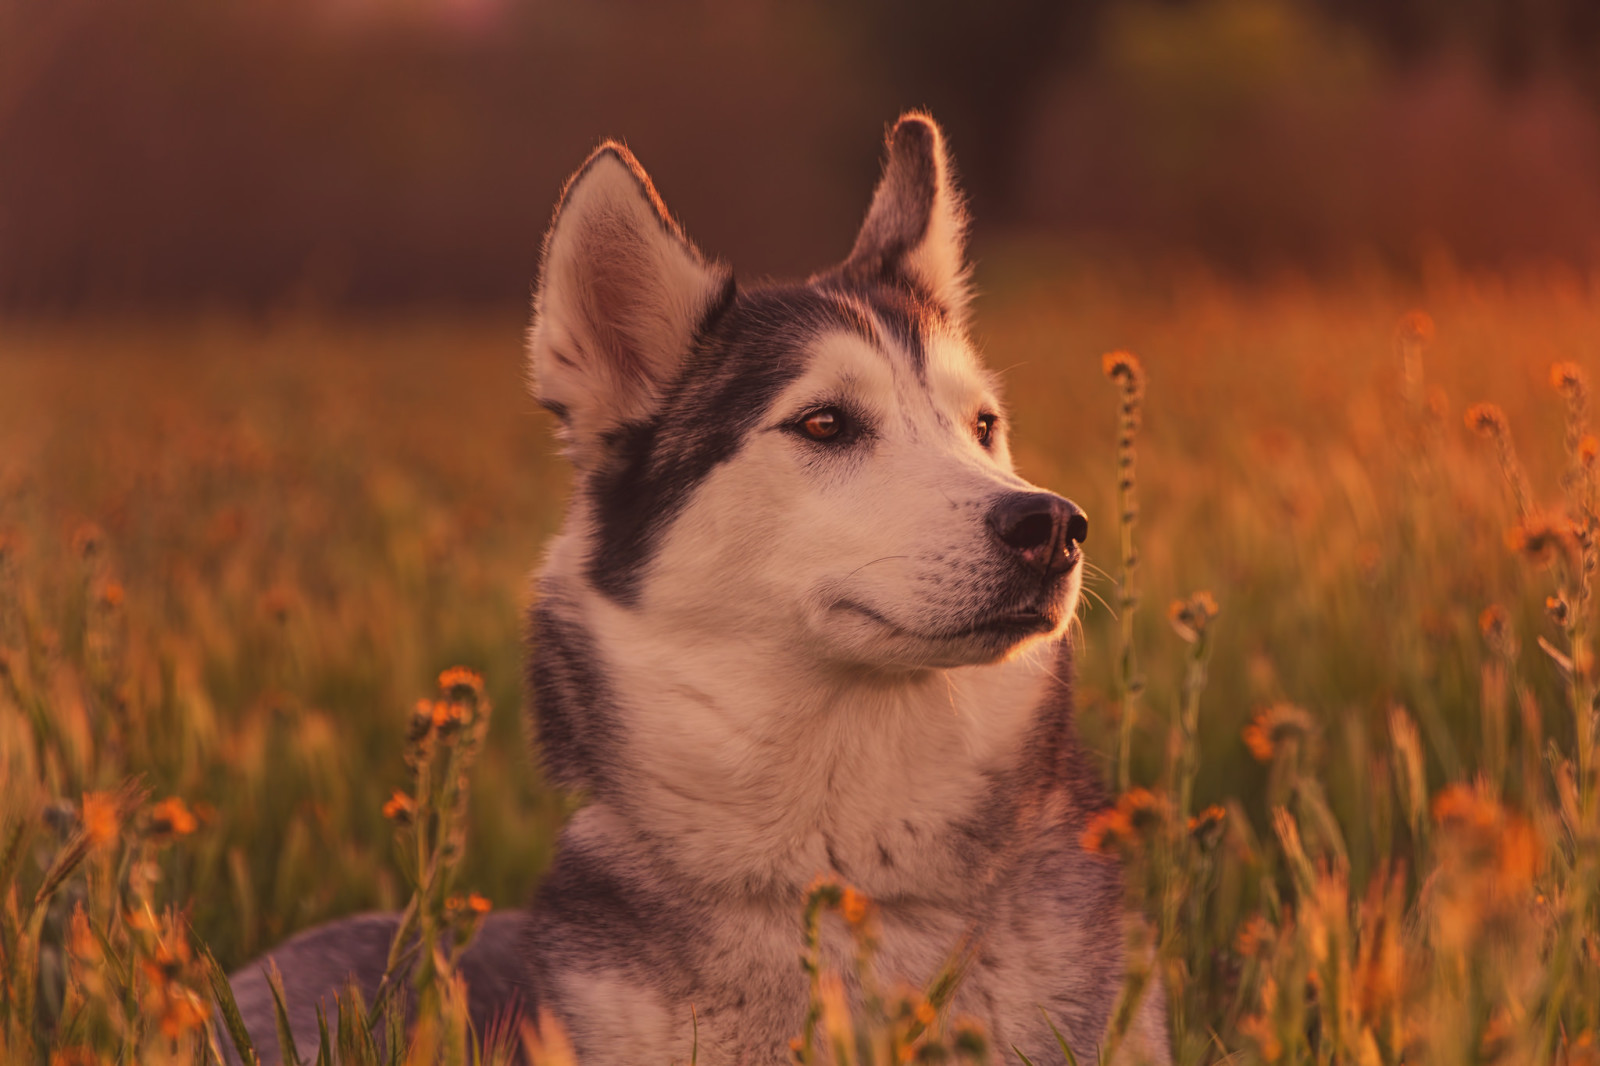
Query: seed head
x=1415, y=327
x=1125, y=369
x=1495, y=625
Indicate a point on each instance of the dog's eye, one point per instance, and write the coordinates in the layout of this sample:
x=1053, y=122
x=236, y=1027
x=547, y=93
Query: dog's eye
x=825, y=423
x=984, y=429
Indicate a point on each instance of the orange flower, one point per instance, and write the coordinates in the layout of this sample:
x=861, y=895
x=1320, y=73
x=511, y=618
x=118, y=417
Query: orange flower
x=1270, y=728
x=171, y=816
x=1540, y=537
x=1487, y=420
x=1589, y=449
x=400, y=808
x=1493, y=623
x=1125, y=369
x=460, y=678
x=854, y=906
x=1566, y=378
x=112, y=594
x=100, y=817
x=478, y=904
x=1212, y=816
x=1190, y=617
x=1136, y=812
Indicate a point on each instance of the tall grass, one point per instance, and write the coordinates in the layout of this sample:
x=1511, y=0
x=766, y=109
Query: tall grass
x=1358, y=794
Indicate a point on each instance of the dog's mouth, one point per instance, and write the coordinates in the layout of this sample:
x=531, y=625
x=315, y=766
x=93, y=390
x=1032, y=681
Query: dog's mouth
x=1007, y=626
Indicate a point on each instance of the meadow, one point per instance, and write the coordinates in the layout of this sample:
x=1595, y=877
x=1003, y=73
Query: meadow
x=1336, y=655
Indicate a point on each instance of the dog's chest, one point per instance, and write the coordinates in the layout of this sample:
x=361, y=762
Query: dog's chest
x=1015, y=956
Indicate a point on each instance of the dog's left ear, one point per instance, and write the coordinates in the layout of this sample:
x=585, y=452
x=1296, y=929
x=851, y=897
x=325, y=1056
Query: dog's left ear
x=915, y=232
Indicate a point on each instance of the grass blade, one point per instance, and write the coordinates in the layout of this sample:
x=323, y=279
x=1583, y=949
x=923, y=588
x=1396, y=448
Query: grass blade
x=222, y=991
x=287, y=1052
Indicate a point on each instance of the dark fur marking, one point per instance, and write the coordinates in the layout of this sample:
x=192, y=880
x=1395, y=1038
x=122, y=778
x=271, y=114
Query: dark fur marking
x=573, y=712
x=884, y=858
x=749, y=348
x=590, y=915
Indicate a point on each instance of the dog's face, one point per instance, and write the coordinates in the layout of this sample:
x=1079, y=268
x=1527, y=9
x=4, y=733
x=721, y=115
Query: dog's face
x=824, y=465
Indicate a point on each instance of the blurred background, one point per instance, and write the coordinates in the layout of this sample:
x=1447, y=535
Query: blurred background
x=374, y=152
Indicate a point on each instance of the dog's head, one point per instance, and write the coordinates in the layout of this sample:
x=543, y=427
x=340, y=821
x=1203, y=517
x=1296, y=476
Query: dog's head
x=824, y=464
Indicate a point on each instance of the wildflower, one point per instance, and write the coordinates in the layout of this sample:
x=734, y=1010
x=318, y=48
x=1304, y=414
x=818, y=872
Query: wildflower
x=1274, y=725
x=171, y=816
x=1556, y=608
x=1125, y=369
x=112, y=594
x=1541, y=537
x=853, y=906
x=1207, y=825
x=400, y=808
x=471, y=902
x=1488, y=421
x=1136, y=812
x=448, y=716
x=1567, y=379
x=458, y=682
x=1588, y=450
x=100, y=817
x=1190, y=617
x=1494, y=623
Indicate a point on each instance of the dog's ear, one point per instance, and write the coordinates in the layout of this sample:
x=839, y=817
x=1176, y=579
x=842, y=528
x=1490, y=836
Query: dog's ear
x=915, y=232
x=621, y=295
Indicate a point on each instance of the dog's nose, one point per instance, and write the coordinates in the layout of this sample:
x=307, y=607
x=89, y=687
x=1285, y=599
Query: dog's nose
x=1041, y=527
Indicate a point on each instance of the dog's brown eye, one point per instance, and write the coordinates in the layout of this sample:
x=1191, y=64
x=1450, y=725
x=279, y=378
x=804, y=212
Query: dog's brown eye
x=984, y=430
x=824, y=424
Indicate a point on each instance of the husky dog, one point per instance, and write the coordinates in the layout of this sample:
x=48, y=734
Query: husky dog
x=803, y=618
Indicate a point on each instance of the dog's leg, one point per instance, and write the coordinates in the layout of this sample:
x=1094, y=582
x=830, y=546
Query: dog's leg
x=319, y=963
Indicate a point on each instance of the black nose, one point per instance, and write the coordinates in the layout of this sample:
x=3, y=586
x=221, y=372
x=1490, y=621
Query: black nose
x=1040, y=527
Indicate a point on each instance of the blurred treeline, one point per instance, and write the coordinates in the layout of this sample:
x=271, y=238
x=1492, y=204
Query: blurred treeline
x=173, y=152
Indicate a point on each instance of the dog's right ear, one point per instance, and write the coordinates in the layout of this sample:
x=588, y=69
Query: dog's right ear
x=621, y=295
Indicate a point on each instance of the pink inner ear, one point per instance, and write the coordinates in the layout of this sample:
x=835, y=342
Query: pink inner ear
x=610, y=297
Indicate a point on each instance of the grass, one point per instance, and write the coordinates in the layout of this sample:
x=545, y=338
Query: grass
x=1359, y=798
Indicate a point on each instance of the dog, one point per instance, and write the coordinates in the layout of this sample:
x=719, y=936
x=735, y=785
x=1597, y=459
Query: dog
x=803, y=618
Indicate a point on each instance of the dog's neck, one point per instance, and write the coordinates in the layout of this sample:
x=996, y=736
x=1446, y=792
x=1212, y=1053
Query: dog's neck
x=759, y=769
